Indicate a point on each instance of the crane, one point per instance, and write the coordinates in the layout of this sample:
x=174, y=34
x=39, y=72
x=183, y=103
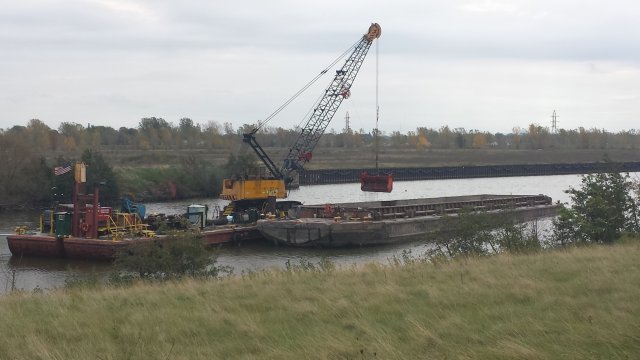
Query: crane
x=254, y=191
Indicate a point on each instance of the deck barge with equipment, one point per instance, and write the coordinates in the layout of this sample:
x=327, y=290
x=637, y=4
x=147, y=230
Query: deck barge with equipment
x=71, y=247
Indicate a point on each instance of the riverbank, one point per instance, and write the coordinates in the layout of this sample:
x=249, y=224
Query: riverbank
x=167, y=175
x=158, y=181
x=575, y=303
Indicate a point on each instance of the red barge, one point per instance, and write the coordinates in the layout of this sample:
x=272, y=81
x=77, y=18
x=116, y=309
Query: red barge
x=43, y=245
x=86, y=230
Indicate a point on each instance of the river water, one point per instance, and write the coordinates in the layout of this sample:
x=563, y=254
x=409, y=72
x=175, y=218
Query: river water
x=32, y=273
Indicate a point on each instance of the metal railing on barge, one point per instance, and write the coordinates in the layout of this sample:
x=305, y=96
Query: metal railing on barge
x=423, y=207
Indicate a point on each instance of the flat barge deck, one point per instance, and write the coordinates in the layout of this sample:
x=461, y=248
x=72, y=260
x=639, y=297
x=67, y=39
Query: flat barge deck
x=388, y=222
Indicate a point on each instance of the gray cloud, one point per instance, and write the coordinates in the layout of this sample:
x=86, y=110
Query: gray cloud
x=490, y=64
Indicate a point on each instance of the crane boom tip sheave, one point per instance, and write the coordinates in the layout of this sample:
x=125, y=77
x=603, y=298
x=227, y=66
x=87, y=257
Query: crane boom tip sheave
x=374, y=32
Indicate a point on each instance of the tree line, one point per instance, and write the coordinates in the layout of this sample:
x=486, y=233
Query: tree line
x=157, y=133
x=30, y=152
x=29, y=180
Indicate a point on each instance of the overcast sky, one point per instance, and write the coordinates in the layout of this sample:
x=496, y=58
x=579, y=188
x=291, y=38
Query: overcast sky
x=489, y=65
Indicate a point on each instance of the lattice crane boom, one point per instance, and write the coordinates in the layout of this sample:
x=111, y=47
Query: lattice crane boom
x=245, y=191
x=338, y=90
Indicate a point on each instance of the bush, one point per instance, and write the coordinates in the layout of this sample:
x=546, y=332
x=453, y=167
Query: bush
x=605, y=206
x=467, y=233
x=100, y=172
x=173, y=257
x=198, y=178
x=303, y=265
x=479, y=233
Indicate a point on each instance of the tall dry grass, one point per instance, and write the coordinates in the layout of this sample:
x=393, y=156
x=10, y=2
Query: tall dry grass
x=571, y=304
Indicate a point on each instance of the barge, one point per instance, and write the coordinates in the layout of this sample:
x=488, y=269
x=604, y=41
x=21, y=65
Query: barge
x=86, y=230
x=389, y=222
x=72, y=247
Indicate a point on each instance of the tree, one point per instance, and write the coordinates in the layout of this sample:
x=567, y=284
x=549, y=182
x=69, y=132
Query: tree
x=212, y=134
x=154, y=132
x=188, y=133
x=176, y=257
x=473, y=233
x=516, y=137
x=25, y=176
x=73, y=135
x=603, y=207
x=479, y=141
x=100, y=173
x=228, y=129
x=39, y=134
x=198, y=177
x=446, y=137
x=422, y=141
x=460, y=135
x=398, y=140
x=126, y=136
x=239, y=165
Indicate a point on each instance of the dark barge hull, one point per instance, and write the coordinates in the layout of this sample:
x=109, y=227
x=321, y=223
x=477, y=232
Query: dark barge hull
x=106, y=249
x=378, y=223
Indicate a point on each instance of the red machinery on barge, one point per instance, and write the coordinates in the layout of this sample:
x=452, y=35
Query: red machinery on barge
x=87, y=230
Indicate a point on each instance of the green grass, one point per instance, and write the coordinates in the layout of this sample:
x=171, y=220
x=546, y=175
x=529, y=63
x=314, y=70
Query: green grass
x=148, y=182
x=332, y=158
x=571, y=304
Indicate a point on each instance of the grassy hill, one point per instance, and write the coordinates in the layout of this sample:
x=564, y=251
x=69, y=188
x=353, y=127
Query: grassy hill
x=580, y=303
x=334, y=158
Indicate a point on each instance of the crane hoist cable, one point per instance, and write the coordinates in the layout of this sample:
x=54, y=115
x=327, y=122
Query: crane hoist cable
x=305, y=87
x=308, y=113
x=377, y=104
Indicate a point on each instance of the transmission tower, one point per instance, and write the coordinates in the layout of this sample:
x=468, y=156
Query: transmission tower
x=346, y=120
x=554, y=122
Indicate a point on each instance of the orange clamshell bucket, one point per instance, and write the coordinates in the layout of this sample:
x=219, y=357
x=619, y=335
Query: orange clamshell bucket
x=376, y=183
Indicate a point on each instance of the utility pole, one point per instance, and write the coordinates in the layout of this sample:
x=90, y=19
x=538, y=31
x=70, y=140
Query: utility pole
x=554, y=123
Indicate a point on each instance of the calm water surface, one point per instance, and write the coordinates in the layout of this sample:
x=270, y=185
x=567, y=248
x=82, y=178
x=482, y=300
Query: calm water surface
x=32, y=273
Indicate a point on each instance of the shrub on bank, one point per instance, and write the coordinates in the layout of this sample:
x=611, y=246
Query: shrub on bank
x=602, y=209
x=479, y=233
x=178, y=256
